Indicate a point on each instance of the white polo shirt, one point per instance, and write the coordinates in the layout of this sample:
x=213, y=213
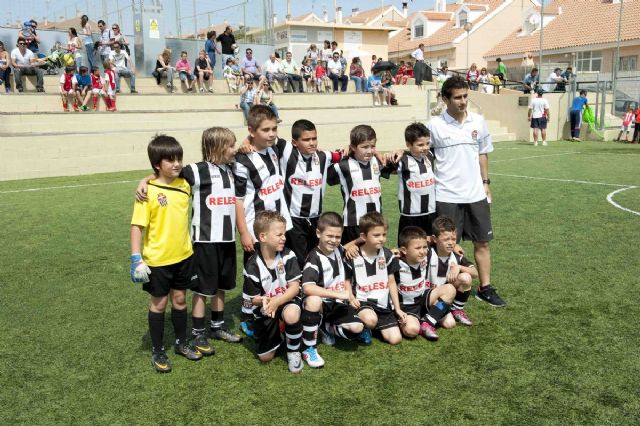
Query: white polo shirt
x=457, y=148
x=418, y=54
x=538, y=105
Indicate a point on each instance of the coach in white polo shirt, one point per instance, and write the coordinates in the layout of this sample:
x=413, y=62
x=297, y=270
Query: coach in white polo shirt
x=461, y=143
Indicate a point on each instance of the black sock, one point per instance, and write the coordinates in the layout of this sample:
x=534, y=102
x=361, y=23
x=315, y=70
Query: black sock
x=197, y=326
x=293, y=333
x=217, y=319
x=179, y=320
x=461, y=299
x=310, y=322
x=436, y=312
x=156, y=330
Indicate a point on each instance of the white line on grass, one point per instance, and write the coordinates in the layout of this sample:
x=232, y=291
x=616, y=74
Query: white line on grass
x=536, y=156
x=47, y=188
x=586, y=182
x=618, y=206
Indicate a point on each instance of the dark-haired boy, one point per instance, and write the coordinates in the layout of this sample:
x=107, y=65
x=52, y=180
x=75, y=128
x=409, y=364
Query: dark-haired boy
x=259, y=180
x=371, y=275
x=327, y=292
x=166, y=264
x=272, y=284
x=461, y=144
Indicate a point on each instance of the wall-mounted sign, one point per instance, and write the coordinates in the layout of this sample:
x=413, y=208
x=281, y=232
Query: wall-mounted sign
x=137, y=25
x=325, y=35
x=282, y=35
x=298, y=35
x=154, y=30
x=353, y=37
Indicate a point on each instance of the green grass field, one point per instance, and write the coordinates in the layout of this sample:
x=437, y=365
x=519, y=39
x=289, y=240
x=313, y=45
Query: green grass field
x=74, y=347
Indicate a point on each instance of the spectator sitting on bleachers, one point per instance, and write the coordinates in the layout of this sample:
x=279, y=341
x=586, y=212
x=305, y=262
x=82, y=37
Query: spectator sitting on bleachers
x=308, y=75
x=322, y=80
x=387, y=84
x=24, y=62
x=185, y=71
x=5, y=69
x=356, y=73
x=485, y=81
x=97, y=87
x=29, y=35
x=272, y=71
x=336, y=73
x=233, y=81
x=204, y=70
x=531, y=81
x=83, y=87
x=291, y=68
x=123, y=66
x=250, y=68
x=163, y=66
x=443, y=76
x=401, y=75
x=247, y=96
x=375, y=87
x=67, y=88
x=74, y=46
x=314, y=55
x=264, y=96
x=374, y=61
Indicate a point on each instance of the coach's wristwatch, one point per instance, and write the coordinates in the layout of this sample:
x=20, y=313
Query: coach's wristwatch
x=486, y=181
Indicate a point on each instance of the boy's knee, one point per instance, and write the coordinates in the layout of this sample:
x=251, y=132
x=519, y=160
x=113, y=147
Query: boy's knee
x=312, y=303
x=448, y=322
x=464, y=281
x=411, y=330
x=178, y=299
x=394, y=337
x=354, y=327
x=291, y=314
x=267, y=357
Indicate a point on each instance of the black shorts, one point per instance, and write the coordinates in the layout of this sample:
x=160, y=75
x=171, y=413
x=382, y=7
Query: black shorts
x=386, y=318
x=350, y=233
x=539, y=123
x=268, y=331
x=423, y=222
x=216, y=267
x=301, y=239
x=418, y=309
x=179, y=276
x=255, y=76
x=339, y=313
x=473, y=220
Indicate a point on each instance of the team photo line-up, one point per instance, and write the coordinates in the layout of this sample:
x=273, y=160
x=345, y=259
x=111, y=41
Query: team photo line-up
x=310, y=274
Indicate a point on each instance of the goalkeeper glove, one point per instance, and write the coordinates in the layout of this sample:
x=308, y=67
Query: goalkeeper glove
x=139, y=270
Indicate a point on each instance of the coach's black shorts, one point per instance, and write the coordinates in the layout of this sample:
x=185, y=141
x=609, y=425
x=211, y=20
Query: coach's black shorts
x=301, y=239
x=179, y=276
x=386, y=318
x=216, y=267
x=539, y=123
x=423, y=222
x=268, y=331
x=473, y=220
x=350, y=233
x=339, y=313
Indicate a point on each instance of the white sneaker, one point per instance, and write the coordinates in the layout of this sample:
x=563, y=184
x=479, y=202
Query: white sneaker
x=327, y=338
x=385, y=103
x=313, y=358
x=201, y=90
x=544, y=143
x=376, y=103
x=295, y=362
x=535, y=143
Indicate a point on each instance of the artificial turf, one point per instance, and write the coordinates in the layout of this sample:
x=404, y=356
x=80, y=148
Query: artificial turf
x=75, y=347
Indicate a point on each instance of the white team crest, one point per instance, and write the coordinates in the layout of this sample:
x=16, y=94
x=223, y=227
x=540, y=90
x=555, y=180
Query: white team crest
x=274, y=157
x=381, y=263
x=474, y=135
x=280, y=268
x=376, y=169
x=316, y=160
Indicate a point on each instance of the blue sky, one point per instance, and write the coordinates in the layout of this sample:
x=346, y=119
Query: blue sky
x=54, y=9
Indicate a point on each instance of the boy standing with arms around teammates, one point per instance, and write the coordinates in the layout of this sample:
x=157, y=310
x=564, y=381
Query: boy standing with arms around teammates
x=461, y=144
x=371, y=275
x=326, y=292
x=272, y=285
x=167, y=266
x=259, y=181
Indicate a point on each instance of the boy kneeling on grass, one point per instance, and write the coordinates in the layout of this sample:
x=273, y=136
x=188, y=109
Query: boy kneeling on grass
x=166, y=265
x=272, y=284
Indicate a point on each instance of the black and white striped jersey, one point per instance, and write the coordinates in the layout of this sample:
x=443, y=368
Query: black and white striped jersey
x=260, y=182
x=412, y=282
x=416, y=186
x=272, y=280
x=370, y=276
x=325, y=270
x=213, y=218
x=305, y=181
x=439, y=267
x=360, y=184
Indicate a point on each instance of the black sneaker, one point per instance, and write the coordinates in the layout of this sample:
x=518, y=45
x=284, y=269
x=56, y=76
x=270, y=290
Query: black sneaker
x=488, y=294
x=188, y=351
x=134, y=91
x=201, y=344
x=160, y=362
x=223, y=333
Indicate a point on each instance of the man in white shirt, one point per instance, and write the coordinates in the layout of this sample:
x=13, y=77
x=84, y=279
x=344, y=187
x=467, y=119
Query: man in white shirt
x=538, y=115
x=292, y=70
x=123, y=66
x=336, y=73
x=272, y=71
x=461, y=143
x=24, y=62
x=553, y=80
x=418, y=68
x=105, y=42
